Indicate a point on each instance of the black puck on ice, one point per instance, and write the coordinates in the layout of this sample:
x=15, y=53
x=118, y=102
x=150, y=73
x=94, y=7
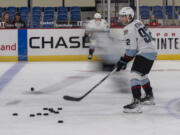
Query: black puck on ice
x=39, y=114
x=15, y=114
x=60, y=121
x=56, y=112
x=32, y=115
x=32, y=89
x=60, y=108
x=51, y=109
x=46, y=114
x=45, y=108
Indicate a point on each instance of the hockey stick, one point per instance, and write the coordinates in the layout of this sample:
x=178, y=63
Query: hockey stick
x=70, y=98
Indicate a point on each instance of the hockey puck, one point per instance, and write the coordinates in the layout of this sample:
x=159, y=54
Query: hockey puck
x=51, y=109
x=15, y=114
x=32, y=115
x=60, y=121
x=45, y=108
x=60, y=108
x=56, y=112
x=46, y=114
x=39, y=114
x=32, y=89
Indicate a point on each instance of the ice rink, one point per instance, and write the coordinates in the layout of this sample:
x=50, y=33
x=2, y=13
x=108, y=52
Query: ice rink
x=100, y=113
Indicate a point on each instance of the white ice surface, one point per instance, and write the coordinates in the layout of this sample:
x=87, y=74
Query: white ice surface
x=100, y=113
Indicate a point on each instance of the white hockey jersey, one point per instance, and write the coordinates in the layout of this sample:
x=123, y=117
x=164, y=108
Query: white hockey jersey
x=139, y=41
x=96, y=31
x=97, y=26
x=101, y=39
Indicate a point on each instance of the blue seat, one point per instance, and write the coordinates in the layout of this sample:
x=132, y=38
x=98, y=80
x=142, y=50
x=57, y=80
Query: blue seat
x=35, y=18
x=49, y=12
x=75, y=12
x=157, y=8
x=75, y=8
x=62, y=13
x=23, y=9
x=169, y=10
x=11, y=14
x=36, y=12
x=48, y=19
x=159, y=16
x=11, y=9
x=62, y=18
x=157, y=11
x=24, y=18
x=144, y=12
x=23, y=14
x=48, y=16
x=178, y=9
x=145, y=17
x=35, y=26
x=170, y=16
x=144, y=8
x=1, y=9
x=49, y=9
x=36, y=9
x=62, y=9
x=75, y=18
x=48, y=26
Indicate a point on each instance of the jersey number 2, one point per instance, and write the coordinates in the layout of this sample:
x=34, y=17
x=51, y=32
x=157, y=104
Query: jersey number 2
x=147, y=36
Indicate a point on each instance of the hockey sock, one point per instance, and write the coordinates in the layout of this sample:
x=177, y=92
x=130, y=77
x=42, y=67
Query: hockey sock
x=148, y=89
x=91, y=51
x=136, y=91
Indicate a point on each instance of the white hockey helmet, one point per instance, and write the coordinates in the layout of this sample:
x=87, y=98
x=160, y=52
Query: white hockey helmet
x=127, y=11
x=97, y=16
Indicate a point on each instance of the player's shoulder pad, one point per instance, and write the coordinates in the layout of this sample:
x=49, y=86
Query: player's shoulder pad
x=91, y=21
x=104, y=21
x=138, y=24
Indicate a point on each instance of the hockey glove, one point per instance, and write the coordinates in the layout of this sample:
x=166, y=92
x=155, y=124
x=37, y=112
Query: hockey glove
x=86, y=38
x=91, y=51
x=121, y=64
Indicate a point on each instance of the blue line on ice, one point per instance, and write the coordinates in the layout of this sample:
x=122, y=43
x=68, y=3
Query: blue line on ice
x=10, y=74
x=170, y=108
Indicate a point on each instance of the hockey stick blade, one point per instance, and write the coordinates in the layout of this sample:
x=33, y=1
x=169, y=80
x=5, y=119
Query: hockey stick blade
x=72, y=98
x=89, y=91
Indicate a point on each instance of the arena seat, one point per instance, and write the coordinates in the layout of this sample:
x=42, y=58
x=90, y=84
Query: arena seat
x=23, y=9
x=36, y=9
x=75, y=8
x=11, y=9
x=49, y=9
x=75, y=18
x=145, y=16
x=170, y=16
x=159, y=16
x=1, y=11
x=62, y=19
x=178, y=10
x=145, y=8
x=49, y=12
x=64, y=9
x=48, y=26
x=157, y=8
x=169, y=10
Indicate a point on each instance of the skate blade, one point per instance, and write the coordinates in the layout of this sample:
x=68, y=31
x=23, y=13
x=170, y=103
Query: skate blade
x=132, y=111
x=148, y=103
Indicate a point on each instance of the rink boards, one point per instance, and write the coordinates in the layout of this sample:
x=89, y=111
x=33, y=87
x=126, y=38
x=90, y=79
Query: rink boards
x=69, y=45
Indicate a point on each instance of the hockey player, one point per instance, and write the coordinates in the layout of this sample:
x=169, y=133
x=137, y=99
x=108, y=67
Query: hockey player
x=141, y=46
x=96, y=25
